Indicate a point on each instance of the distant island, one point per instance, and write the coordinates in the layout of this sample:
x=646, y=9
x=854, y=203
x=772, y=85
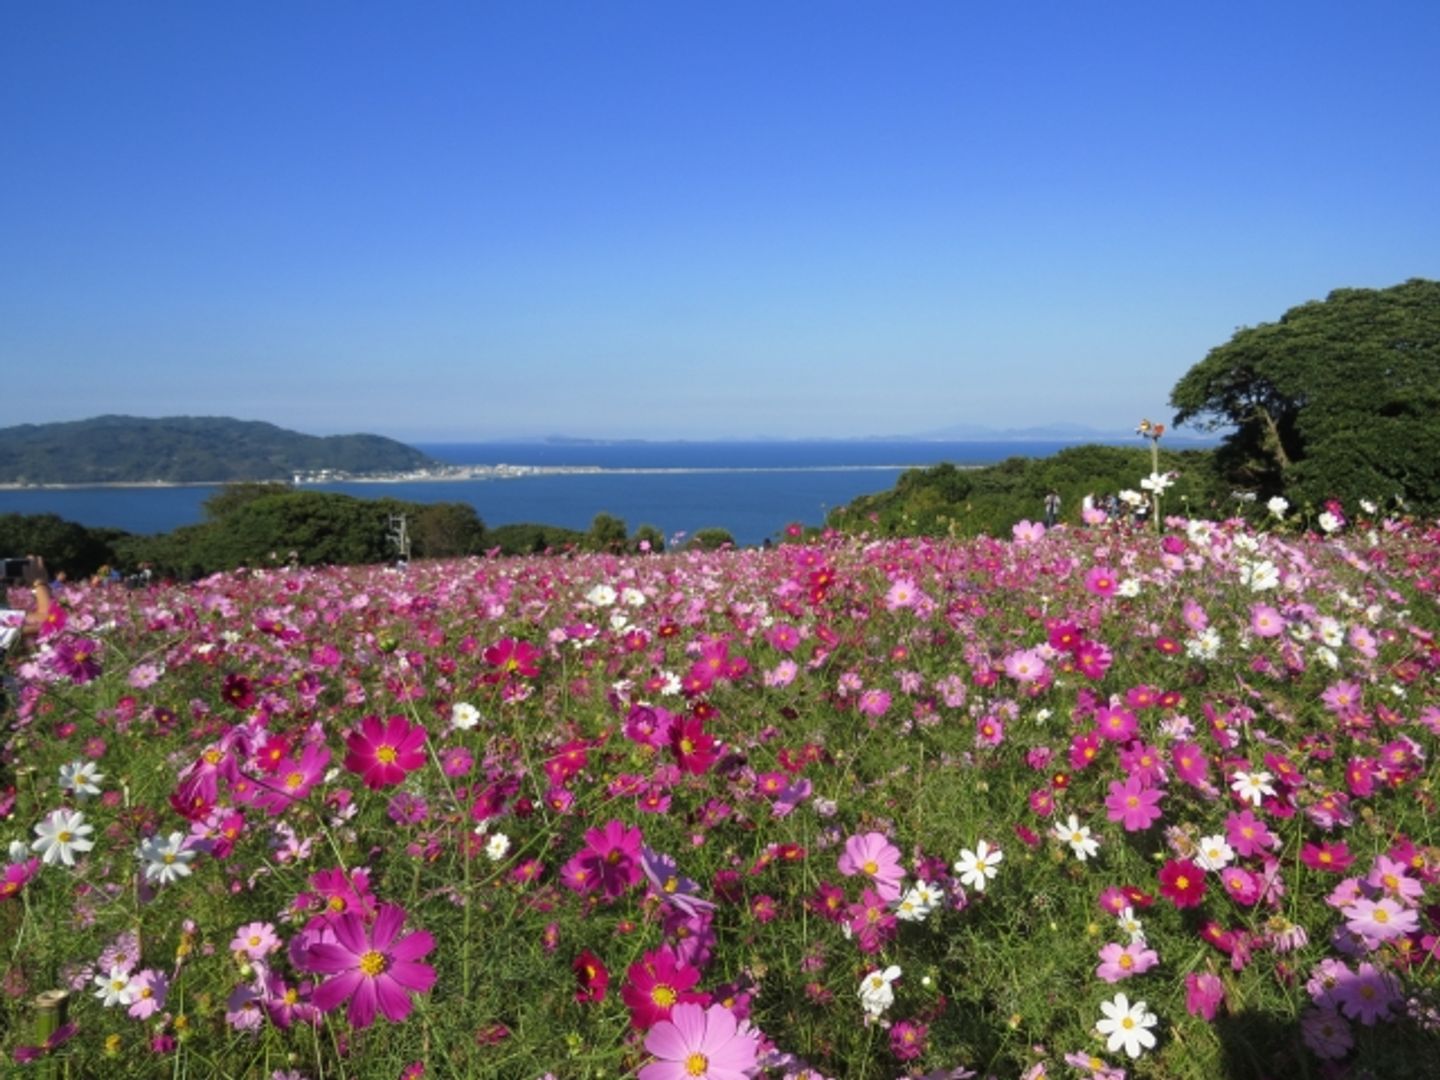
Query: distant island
x=190, y=450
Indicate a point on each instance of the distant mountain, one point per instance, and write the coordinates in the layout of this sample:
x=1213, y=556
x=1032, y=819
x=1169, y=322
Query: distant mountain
x=186, y=449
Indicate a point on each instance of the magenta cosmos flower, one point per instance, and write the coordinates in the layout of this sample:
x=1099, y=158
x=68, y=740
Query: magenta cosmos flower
x=700, y=1044
x=384, y=752
x=1132, y=804
x=874, y=856
x=372, y=968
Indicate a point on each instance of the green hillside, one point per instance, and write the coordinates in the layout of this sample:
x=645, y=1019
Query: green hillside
x=186, y=449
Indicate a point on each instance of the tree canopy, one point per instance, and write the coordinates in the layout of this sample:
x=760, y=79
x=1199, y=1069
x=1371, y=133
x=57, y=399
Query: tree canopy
x=1339, y=399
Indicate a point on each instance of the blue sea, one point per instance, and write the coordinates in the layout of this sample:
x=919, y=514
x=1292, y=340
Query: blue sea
x=753, y=489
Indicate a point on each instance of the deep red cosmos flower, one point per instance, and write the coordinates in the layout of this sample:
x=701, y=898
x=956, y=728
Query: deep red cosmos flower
x=1182, y=882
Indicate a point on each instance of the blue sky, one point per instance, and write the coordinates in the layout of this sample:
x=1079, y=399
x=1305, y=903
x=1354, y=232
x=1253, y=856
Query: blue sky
x=482, y=220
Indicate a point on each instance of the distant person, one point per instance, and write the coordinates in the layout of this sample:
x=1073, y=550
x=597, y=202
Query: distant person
x=1052, y=509
x=17, y=625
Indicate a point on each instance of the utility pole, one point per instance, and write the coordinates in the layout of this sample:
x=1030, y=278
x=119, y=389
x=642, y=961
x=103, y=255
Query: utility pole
x=399, y=535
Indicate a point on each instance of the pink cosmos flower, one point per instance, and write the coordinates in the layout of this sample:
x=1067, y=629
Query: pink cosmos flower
x=695, y=750
x=1101, y=581
x=1265, y=621
x=1241, y=884
x=370, y=968
x=1204, y=994
x=907, y=1037
x=75, y=658
x=1116, y=725
x=700, y=1043
x=873, y=703
x=1191, y=764
x=293, y=779
x=610, y=861
x=656, y=985
x=1334, y=858
x=255, y=940
x=1380, y=920
x=1368, y=995
x=902, y=594
x=1342, y=699
x=1326, y=1034
x=873, y=855
x=384, y=752
x=1132, y=804
x=1093, y=659
x=511, y=657
x=1390, y=875
x=1026, y=665
x=1247, y=834
x=1121, y=961
x=148, y=990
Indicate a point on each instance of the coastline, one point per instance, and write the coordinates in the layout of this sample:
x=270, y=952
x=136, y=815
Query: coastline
x=464, y=473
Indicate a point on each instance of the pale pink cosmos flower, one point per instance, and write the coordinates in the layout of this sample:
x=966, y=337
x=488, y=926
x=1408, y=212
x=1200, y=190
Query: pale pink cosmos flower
x=1379, y=920
x=255, y=940
x=700, y=1043
x=873, y=856
x=1025, y=665
x=1121, y=961
x=1265, y=621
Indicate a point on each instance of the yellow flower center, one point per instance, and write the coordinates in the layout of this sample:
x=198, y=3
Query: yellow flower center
x=295, y=780
x=696, y=1065
x=1182, y=882
x=871, y=867
x=373, y=963
x=1127, y=961
x=385, y=753
x=664, y=996
x=64, y=836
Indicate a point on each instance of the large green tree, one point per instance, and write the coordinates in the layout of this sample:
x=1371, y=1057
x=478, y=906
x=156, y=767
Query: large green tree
x=1339, y=399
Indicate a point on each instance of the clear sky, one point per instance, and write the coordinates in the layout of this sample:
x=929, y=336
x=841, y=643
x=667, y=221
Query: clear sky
x=674, y=219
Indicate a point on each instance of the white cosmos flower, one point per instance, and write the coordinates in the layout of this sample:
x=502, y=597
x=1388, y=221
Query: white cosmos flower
x=115, y=987
x=1328, y=521
x=497, y=847
x=1127, y=1027
x=60, y=835
x=1130, y=924
x=81, y=778
x=632, y=597
x=601, y=595
x=875, y=993
x=1204, y=645
x=464, y=716
x=165, y=860
x=1213, y=853
x=1157, y=482
x=917, y=903
x=1278, y=505
x=1252, y=787
x=1078, y=837
x=979, y=866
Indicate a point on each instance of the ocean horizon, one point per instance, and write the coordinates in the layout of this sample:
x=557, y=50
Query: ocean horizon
x=752, y=489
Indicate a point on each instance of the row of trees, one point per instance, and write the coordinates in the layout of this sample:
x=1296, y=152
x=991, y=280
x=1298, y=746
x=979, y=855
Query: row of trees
x=261, y=524
x=1338, y=400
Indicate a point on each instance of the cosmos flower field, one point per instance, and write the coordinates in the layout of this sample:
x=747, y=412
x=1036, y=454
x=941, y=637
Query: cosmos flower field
x=1085, y=802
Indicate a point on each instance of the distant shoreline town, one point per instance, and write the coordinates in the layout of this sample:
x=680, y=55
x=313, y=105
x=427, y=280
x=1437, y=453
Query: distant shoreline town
x=448, y=473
